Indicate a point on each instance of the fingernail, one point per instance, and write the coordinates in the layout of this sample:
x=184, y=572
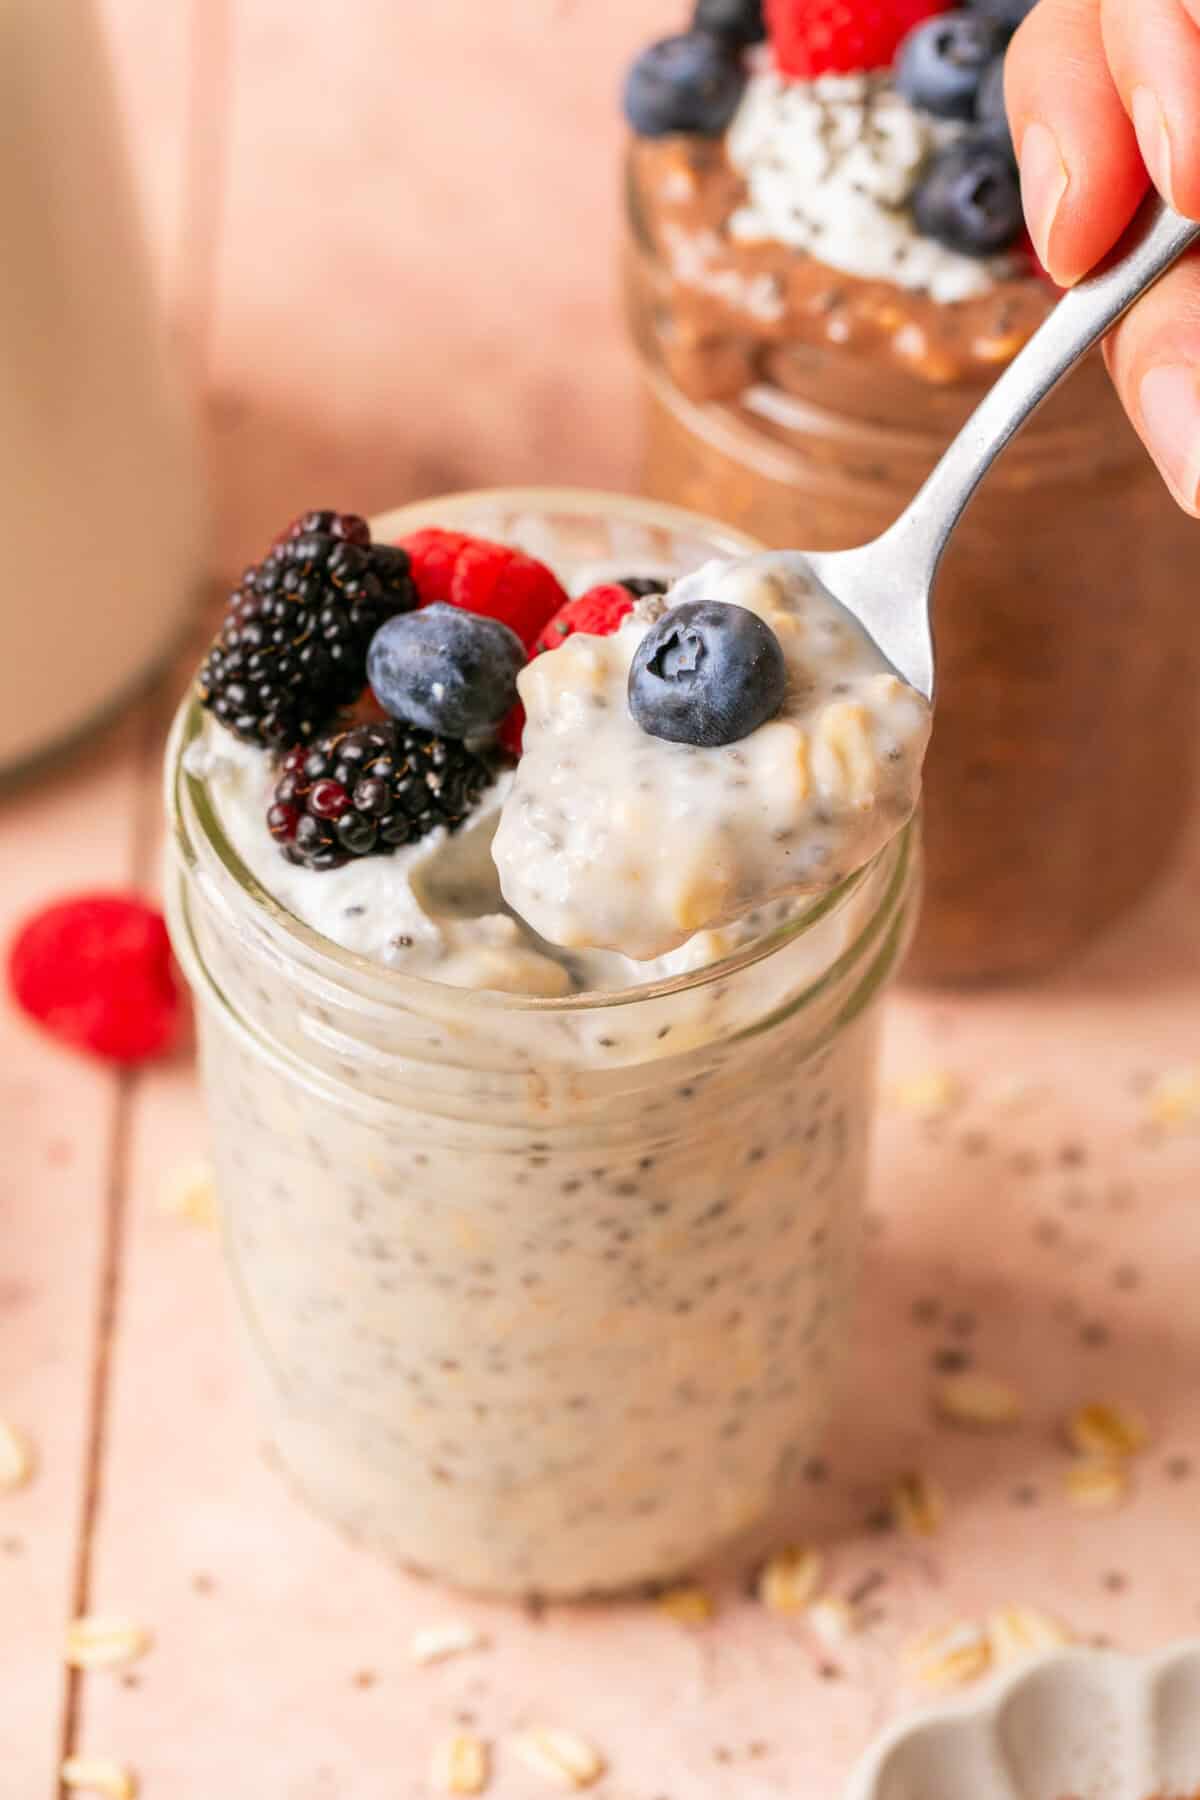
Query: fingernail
x=1044, y=181
x=1170, y=405
x=1154, y=140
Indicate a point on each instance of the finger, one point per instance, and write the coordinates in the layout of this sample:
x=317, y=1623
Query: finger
x=1153, y=50
x=1081, y=172
x=1154, y=357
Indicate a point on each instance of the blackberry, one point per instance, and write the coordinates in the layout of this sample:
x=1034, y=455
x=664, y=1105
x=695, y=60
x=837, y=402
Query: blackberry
x=366, y=790
x=293, y=646
x=391, y=562
x=641, y=586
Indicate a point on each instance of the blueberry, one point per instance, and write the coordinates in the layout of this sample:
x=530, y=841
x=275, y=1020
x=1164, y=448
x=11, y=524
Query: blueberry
x=989, y=104
x=939, y=65
x=688, y=83
x=706, y=674
x=1006, y=14
x=739, y=22
x=968, y=198
x=446, y=670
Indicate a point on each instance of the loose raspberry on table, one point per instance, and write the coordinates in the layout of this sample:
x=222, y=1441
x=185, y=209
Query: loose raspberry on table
x=482, y=577
x=96, y=972
x=841, y=37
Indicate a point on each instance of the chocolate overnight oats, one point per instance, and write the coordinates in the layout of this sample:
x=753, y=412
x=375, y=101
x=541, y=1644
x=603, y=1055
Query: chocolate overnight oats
x=545, y=1253
x=825, y=267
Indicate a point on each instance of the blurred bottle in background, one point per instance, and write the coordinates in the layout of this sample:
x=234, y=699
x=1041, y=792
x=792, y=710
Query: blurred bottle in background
x=101, y=511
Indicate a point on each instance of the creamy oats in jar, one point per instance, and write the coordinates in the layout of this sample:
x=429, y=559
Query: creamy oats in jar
x=545, y=1254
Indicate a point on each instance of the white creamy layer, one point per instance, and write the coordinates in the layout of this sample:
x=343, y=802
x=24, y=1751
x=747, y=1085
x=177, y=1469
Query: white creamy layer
x=433, y=909
x=830, y=165
x=610, y=837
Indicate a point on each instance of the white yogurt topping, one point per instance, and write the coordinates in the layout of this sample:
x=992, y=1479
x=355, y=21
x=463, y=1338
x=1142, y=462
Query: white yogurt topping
x=830, y=165
x=433, y=909
x=612, y=838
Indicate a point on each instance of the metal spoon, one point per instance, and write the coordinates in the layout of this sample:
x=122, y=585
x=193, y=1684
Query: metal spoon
x=888, y=583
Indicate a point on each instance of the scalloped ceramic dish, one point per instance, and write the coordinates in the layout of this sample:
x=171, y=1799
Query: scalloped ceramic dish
x=1077, y=1725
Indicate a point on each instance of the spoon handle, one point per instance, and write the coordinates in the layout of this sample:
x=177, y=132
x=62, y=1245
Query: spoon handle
x=1155, y=239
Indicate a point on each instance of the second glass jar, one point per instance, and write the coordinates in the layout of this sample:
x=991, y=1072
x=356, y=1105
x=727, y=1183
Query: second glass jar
x=1063, y=764
x=541, y=1295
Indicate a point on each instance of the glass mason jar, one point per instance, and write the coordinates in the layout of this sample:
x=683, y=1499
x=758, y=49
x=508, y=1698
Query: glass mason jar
x=1063, y=762
x=543, y=1295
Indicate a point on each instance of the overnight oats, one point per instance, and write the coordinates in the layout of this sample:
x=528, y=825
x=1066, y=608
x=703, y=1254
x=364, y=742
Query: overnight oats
x=825, y=268
x=537, y=992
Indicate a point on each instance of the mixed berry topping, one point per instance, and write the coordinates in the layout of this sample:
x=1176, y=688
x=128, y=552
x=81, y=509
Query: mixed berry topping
x=707, y=673
x=292, y=648
x=373, y=675
x=446, y=670
x=95, y=971
x=371, y=789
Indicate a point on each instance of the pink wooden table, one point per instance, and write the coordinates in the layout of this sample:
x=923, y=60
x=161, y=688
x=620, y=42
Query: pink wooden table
x=1043, y=1228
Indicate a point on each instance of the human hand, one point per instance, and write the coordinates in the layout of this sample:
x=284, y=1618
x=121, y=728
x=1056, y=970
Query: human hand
x=1100, y=92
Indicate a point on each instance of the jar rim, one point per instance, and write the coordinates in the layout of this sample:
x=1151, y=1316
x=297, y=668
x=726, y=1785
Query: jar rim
x=196, y=826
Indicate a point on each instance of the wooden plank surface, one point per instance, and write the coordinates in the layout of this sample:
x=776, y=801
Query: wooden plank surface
x=65, y=1127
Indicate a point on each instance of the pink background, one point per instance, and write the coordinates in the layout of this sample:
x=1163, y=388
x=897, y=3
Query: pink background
x=384, y=294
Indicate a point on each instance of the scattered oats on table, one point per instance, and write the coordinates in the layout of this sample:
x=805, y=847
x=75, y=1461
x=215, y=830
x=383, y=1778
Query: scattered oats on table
x=789, y=1580
x=1173, y=1100
x=832, y=1622
x=978, y=1402
x=1018, y=1632
x=1104, y=1429
x=461, y=1764
x=98, y=1775
x=559, y=1756
x=189, y=1192
x=437, y=1643
x=16, y=1457
x=918, y=1505
x=687, y=1604
x=99, y=1641
x=1096, y=1484
x=948, y=1656
x=929, y=1094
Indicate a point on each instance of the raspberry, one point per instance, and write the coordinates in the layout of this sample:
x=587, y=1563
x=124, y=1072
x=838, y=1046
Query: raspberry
x=482, y=577
x=598, y=613
x=96, y=971
x=841, y=37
